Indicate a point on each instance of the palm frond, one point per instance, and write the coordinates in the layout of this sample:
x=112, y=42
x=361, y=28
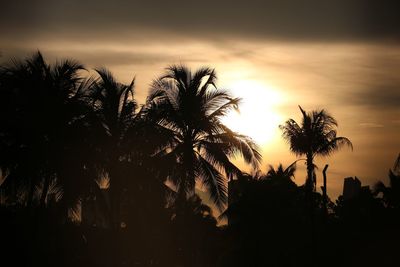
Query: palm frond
x=333, y=145
x=214, y=181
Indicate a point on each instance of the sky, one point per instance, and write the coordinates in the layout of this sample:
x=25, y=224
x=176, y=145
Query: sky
x=342, y=56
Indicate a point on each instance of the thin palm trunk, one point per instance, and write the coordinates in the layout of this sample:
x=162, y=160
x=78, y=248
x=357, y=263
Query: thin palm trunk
x=45, y=190
x=310, y=173
x=325, y=195
x=185, y=187
x=309, y=186
x=309, y=194
x=114, y=190
x=30, y=195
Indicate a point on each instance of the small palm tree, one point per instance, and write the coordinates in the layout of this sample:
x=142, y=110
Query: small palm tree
x=315, y=136
x=287, y=173
x=189, y=108
x=281, y=176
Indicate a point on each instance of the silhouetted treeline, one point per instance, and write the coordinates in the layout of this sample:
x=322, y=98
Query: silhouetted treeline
x=92, y=178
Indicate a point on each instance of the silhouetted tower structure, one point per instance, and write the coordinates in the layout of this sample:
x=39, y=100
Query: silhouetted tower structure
x=351, y=188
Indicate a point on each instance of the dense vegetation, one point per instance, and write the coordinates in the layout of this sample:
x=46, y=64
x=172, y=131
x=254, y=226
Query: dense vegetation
x=91, y=178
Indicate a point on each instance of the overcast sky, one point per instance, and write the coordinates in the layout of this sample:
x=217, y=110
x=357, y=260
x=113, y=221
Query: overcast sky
x=340, y=55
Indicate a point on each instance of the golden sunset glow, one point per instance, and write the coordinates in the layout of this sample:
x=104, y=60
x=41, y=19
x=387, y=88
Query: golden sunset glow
x=199, y=133
x=258, y=115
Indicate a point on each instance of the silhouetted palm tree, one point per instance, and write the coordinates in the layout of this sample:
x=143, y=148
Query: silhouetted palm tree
x=315, y=136
x=115, y=112
x=188, y=106
x=41, y=120
x=280, y=173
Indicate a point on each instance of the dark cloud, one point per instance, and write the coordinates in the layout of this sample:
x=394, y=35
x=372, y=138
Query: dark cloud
x=385, y=97
x=380, y=81
x=104, y=56
x=100, y=57
x=277, y=19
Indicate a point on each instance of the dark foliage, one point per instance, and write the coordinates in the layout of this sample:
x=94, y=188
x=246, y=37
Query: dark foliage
x=89, y=178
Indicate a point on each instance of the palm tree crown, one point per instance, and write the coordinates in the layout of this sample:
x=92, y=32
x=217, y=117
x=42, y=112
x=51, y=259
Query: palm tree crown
x=44, y=114
x=280, y=175
x=316, y=135
x=189, y=109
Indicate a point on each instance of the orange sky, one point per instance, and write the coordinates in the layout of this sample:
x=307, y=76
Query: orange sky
x=344, y=58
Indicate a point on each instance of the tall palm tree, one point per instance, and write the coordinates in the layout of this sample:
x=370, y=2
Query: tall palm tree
x=114, y=114
x=43, y=115
x=189, y=107
x=315, y=136
x=125, y=138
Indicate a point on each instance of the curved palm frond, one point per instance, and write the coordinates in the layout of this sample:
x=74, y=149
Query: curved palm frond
x=215, y=182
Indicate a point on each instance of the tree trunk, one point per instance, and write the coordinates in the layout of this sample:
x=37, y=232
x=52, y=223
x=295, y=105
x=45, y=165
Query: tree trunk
x=310, y=202
x=30, y=194
x=325, y=195
x=115, y=206
x=45, y=189
x=310, y=183
x=115, y=189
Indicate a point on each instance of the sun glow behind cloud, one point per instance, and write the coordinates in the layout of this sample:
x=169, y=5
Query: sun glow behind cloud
x=273, y=78
x=258, y=116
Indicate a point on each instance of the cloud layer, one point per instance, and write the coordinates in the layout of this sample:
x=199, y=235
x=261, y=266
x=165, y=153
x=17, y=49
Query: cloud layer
x=272, y=19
